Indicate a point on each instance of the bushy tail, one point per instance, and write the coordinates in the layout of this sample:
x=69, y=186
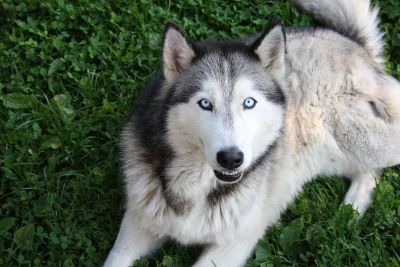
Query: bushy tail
x=356, y=19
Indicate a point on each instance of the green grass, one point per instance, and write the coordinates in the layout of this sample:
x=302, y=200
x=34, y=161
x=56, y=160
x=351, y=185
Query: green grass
x=69, y=74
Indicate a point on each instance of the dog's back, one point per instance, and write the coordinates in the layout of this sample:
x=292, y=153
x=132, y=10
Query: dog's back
x=341, y=78
x=343, y=114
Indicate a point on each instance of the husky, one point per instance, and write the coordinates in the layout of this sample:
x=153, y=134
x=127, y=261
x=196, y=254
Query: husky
x=226, y=135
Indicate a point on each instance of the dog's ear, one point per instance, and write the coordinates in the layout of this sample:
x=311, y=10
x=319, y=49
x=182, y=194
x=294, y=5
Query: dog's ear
x=177, y=51
x=270, y=46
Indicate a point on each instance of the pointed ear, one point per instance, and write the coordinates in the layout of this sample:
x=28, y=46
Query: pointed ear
x=177, y=52
x=271, y=48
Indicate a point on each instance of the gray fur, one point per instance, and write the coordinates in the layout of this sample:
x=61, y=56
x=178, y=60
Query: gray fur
x=355, y=19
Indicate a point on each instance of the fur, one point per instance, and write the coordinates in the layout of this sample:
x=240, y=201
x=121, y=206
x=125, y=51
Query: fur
x=323, y=106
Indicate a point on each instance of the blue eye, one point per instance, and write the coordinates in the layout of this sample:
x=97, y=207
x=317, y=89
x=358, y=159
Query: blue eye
x=249, y=103
x=205, y=104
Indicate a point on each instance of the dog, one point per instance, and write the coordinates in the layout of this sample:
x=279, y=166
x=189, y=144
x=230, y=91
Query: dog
x=224, y=137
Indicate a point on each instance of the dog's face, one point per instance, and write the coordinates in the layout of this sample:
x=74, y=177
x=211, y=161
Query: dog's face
x=225, y=102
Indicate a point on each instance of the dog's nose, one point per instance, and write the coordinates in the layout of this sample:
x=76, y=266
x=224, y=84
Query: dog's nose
x=230, y=158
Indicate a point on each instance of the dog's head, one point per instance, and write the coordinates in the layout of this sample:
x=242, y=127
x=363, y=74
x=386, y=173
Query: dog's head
x=225, y=99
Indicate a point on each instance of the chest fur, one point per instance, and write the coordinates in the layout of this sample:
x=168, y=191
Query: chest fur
x=210, y=209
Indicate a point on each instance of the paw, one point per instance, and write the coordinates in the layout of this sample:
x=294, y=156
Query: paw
x=359, y=203
x=360, y=195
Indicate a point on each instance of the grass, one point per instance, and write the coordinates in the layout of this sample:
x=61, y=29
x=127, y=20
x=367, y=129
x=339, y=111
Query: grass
x=70, y=72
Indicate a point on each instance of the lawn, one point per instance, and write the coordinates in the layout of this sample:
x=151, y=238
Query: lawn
x=69, y=74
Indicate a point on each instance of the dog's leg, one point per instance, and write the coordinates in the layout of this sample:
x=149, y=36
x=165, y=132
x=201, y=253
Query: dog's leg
x=361, y=190
x=131, y=244
x=231, y=254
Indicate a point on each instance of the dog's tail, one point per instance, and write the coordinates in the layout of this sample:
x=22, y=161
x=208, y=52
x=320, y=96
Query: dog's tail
x=355, y=19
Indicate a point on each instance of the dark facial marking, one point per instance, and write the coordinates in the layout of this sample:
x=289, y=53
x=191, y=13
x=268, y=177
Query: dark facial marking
x=275, y=94
x=149, y=118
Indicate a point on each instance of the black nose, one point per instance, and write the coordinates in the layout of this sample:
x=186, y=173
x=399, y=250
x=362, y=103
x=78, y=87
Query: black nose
x=230, y=158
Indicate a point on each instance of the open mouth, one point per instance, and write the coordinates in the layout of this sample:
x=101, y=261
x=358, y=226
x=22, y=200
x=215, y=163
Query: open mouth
x=228, y=177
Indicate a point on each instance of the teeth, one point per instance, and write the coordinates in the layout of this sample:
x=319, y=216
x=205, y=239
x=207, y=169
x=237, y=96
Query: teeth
x=230, y=174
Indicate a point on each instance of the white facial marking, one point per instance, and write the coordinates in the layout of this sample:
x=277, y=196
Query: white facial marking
x=243, y=84
x=251, y=130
